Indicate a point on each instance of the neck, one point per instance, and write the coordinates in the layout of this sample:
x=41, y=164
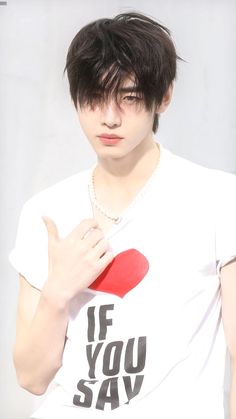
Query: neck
x=135, y=166
x=116, y=186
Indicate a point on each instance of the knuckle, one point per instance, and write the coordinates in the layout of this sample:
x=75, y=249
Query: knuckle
x=88, y=222
x=90, y=263
x=83, y=248
x=98, y=235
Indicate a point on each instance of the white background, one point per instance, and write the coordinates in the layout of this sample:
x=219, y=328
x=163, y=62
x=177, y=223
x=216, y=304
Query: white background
x=40, y=138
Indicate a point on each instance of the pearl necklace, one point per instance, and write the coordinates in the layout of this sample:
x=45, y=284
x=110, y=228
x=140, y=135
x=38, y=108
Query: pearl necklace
x=100, y=208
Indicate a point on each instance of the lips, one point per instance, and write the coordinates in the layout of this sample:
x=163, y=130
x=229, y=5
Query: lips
x=109, y=139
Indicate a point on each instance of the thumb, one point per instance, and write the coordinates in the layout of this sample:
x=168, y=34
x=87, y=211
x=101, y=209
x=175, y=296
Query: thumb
x=51, y=228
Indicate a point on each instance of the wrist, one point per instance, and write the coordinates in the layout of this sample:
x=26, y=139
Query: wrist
x=52, y=296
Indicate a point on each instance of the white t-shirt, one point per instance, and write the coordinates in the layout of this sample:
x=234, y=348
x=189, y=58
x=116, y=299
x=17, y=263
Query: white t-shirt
x=149, y=339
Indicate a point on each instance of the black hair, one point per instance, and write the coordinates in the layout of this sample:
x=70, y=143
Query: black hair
x=106, y=51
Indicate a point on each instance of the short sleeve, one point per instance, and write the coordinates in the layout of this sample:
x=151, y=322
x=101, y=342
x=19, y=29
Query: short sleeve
x=226, y=220
x=30, y=254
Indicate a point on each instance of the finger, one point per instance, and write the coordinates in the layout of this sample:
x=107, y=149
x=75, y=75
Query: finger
x=105, y=260
x=101, y=248
x=93, y=237
x=83, y=229
x=51, y=228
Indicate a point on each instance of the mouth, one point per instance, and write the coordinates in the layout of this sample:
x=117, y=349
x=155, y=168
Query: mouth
x=109, y=139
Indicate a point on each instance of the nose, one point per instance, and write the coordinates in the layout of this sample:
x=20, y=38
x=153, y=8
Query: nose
x=111, y=114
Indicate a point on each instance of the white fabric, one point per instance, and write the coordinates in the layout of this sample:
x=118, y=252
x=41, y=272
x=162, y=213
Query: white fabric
x=163, y=341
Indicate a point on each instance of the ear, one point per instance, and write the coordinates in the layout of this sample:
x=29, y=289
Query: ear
x=166, y=100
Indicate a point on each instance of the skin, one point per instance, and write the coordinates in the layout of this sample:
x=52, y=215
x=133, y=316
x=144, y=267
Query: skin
x=128, y=119
x=75, y=261
x=120, y=173
x=228, y=295
x=122, y=169
x=42, y=317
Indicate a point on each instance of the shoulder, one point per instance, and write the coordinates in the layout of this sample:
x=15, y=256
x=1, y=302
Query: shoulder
x=66, y=203
x=61, y=193
x=196, y=176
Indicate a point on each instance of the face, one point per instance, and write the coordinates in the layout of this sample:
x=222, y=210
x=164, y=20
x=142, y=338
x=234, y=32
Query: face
x=118, y=128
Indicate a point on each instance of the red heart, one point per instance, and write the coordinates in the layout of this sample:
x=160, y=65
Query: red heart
x=124, y=273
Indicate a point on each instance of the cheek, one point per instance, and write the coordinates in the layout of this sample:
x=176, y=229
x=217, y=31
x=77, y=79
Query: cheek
x=85, y=121
x=141, y=125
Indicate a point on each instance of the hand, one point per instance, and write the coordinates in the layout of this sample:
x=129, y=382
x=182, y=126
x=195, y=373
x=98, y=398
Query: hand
x=76, y=261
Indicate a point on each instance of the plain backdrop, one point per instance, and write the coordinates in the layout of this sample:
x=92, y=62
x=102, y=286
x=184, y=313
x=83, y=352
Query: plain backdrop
x=40, y=138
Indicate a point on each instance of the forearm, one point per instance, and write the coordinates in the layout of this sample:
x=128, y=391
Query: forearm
x=74, y=263
x=232, y=398
x=38, y=351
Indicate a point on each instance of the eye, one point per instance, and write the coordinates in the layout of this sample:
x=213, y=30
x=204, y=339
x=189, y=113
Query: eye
x=131, y=99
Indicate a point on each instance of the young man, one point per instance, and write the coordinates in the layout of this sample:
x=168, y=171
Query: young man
x=127, y=269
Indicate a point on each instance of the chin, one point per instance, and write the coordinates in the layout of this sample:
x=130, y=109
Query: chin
x=107, y=149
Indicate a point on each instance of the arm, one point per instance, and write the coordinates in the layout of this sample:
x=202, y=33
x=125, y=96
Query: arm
x=42, y=319
x=41, y=326
x=228, y=286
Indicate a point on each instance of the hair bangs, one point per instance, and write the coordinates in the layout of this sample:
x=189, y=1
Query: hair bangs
x=102, y=75
x=107, y=53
